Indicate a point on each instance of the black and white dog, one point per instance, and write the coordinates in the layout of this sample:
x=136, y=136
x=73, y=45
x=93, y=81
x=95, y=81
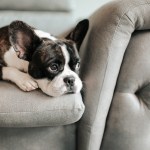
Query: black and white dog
x=27, y=53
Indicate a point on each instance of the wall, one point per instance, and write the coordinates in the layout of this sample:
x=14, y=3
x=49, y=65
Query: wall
x=87, y=7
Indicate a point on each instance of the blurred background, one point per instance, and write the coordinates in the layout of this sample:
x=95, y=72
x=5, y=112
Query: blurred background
x=54, y=16
x=87, y=7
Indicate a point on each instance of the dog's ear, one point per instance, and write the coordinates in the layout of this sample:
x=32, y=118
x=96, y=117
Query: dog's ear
x=23, y=38
x=79, y=32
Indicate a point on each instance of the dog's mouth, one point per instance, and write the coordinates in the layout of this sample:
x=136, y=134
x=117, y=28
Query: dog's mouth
x=74, y=89
x=56, y=89
x=70, y=90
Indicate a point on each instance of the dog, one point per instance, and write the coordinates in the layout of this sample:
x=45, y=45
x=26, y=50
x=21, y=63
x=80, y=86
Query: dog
x=30, y=58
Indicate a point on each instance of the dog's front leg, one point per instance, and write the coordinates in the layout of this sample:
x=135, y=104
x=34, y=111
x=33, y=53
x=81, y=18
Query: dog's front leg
x=23, y=80
x=12, y=60
x=22, y=65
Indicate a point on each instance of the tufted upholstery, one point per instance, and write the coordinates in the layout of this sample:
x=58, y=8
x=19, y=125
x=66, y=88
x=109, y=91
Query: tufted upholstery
x=117, y=76
x=128, y=125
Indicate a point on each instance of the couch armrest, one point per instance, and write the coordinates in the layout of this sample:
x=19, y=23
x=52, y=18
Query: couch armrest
x=102, y=53
x=35, y=109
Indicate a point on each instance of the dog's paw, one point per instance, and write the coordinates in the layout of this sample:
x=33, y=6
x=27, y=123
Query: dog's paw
x=25, y=82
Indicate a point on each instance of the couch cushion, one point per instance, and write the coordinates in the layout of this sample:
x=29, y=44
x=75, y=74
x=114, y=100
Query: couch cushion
x=41, y=138
x=32, y=109
x=46, y=5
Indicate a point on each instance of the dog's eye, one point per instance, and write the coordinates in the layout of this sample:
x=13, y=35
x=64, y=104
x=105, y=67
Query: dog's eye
x=53, y=67
x=77, y=66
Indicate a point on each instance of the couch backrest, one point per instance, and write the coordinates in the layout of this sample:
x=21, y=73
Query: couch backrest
x=36, y=5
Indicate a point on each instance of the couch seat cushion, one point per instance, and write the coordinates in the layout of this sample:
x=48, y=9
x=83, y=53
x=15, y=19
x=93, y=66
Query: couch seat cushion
x=33, y=109
x=34, y=5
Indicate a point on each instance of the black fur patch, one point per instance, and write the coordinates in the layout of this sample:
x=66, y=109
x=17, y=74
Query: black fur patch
x=79, y=32
x=74, y=56
x=47, y=53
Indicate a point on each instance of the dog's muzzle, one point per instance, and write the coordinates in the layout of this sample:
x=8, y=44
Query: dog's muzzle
x=60, y=86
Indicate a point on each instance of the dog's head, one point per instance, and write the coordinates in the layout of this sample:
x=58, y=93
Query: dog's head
x=50, y=57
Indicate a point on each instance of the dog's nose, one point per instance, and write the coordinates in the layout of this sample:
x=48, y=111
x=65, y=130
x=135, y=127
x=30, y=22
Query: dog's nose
x=69, y=80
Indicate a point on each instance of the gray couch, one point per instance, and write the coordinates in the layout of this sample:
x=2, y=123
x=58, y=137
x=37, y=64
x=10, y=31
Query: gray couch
x=117, y=77
x=115, y=72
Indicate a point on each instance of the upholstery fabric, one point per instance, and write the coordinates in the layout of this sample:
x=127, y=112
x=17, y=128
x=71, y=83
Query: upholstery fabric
x=103, y=50
x=41, y=138
x=34, y=109
x=127, y=126
x=41, y=5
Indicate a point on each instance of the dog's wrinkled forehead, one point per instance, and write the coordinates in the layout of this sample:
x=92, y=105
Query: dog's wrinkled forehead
x=63, y=50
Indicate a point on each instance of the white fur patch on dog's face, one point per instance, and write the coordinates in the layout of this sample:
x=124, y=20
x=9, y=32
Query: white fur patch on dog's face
x=43, y=34
x=57, y=86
